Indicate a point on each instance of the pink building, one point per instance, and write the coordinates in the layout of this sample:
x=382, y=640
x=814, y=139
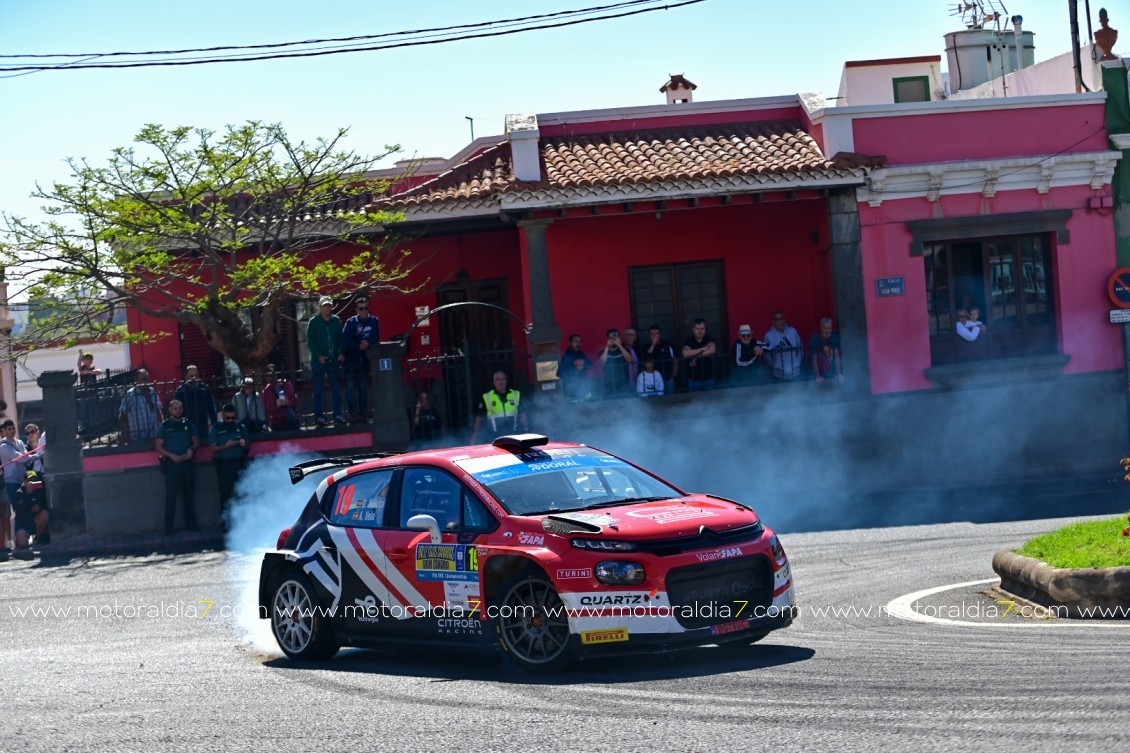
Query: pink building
x=889, y=212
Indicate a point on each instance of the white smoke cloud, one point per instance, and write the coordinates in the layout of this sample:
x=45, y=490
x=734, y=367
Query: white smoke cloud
x=265, y=504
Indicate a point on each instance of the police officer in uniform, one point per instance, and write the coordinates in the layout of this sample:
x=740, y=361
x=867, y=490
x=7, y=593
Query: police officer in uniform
x=176, y=447
x=230, y=445
x=502, y=408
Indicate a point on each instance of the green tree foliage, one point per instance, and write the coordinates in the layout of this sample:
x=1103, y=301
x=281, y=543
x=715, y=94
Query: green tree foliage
x=198, y=226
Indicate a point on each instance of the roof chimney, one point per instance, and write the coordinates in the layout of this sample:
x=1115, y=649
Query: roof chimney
x=678, y=90
x=523, y=134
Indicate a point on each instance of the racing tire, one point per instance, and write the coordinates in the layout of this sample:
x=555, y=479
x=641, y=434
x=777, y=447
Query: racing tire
x=300, y=630
x=533, y=629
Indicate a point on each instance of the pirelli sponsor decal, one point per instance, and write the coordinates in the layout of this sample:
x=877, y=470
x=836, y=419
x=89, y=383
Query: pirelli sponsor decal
x=609, y=635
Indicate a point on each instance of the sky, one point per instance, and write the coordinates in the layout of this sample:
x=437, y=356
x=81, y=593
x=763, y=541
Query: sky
x=420, y=98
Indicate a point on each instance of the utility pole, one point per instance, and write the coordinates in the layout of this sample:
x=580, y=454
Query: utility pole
x=471, y=120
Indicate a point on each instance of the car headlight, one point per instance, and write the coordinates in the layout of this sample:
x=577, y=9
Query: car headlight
x=618, y=573
x=604, y=545
x=777, y=549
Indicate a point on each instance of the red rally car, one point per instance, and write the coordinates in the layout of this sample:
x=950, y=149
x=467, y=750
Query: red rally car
x=550, y=551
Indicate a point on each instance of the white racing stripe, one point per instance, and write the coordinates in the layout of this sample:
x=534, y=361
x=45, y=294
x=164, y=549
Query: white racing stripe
x=367, y=576
x=902, y=608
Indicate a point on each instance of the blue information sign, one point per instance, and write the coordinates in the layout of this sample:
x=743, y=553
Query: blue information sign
x=886, y=286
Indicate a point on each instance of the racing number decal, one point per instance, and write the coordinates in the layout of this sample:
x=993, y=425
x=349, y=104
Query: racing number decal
x=346, y=499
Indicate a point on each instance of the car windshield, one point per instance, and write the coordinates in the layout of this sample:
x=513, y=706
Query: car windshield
x=563, y=480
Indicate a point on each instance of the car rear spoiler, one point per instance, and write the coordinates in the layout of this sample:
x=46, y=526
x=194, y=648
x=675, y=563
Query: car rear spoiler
x=302, y=470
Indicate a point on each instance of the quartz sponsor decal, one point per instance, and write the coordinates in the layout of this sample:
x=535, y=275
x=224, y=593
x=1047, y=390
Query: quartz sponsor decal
x=612, y=600
x=719, y=554
x=672, y=514
x=611, y=635
x=582, y=572
x=531, y=539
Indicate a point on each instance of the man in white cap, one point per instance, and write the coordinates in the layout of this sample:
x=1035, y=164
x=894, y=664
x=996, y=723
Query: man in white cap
x=748, y=361
x=323, y=338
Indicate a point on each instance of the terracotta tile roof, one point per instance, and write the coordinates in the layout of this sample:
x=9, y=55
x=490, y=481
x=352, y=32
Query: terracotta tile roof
x=780, y=148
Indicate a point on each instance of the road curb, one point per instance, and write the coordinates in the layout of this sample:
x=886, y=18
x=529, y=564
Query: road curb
x=119, y=545
x=1066, y=591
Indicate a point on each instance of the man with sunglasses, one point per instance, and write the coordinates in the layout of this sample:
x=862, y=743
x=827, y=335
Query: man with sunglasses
x=362, y=331
x=230, y=445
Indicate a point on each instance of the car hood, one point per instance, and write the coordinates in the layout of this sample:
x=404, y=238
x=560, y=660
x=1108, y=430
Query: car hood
x=669, y=518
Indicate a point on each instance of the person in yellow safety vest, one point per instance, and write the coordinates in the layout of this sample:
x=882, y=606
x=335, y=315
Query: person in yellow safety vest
x=502, y=407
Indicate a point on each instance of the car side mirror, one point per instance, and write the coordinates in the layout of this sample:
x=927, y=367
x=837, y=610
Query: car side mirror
x=426, y=523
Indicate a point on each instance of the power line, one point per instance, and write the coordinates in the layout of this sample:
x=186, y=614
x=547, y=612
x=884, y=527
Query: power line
x=365, y=48
x=578, y=11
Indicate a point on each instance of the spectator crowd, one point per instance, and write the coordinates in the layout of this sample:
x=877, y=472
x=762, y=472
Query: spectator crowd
x=624, y=365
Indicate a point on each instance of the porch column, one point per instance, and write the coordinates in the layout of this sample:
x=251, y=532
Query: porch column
x=62, y=463
x=545, y=335
x=847, y=274
x=391, y=430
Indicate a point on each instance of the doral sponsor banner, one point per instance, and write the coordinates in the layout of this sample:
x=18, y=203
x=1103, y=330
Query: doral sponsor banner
x=496, y=467
x=611, y=635
x=447, y=562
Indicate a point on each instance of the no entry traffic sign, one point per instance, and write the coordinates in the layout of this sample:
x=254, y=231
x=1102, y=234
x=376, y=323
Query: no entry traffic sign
x=1119, y=288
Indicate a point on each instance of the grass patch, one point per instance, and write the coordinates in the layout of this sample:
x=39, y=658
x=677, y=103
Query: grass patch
x=1098, y=543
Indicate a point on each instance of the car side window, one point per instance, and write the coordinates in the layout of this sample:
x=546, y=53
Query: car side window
x=475, y=515
x=361, y=499
x=428, y=491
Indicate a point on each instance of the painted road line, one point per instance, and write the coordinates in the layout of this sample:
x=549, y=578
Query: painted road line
x=903, y=608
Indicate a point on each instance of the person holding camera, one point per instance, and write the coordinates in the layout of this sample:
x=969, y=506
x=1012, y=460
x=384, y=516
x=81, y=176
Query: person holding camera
x=230, y=447
x=280, y=400
x=574, y=370
x=616, y=361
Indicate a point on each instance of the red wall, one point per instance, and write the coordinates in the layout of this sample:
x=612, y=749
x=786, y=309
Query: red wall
x=985, y=134
x=771, y=262
x=897, y=326
x=484, y=255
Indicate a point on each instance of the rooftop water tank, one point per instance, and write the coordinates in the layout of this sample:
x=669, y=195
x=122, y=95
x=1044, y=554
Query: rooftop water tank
x=979, y=55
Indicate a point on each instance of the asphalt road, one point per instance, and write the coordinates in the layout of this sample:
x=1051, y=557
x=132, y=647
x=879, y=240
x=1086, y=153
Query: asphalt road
x=846, y=676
